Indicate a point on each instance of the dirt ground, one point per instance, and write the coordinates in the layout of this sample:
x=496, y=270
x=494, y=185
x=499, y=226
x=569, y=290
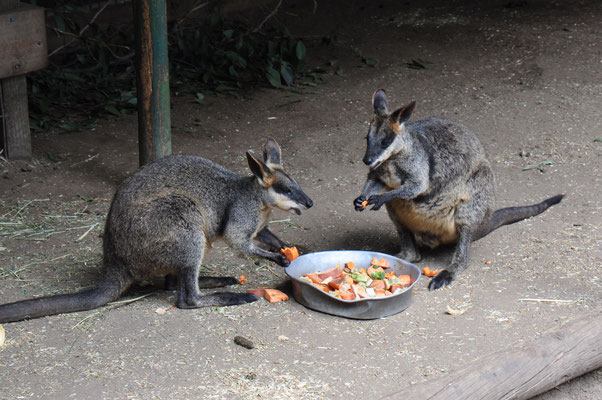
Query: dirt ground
x=525, y=75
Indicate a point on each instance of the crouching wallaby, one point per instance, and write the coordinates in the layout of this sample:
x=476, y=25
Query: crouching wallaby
x=163, y=218
x=436, y=183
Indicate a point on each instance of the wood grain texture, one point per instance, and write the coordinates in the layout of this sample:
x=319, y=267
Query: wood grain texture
x=524, y=371
x=22, y=41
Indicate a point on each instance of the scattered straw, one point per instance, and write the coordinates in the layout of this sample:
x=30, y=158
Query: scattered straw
x=88, y=231
x=128, y=301
x=549, y=300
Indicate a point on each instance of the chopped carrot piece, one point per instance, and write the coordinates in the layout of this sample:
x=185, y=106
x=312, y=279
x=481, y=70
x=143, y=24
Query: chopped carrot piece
x=364, y=203
x=274, y=296
x=290, y=253
x=350, y=265
x=242, y=279
x=314, y=278
x=380, y=263
x=348, y=295
x=336, y=282
x=426, y=271
x=378, y=284
x=333, y=272
x=406, y=280
x=393, y=288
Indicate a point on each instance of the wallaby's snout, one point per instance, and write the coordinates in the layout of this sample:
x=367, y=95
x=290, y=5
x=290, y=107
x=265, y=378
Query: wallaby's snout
x=289, y=196
x=368, y=159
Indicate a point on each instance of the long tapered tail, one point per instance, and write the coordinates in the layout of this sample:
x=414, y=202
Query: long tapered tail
x=87, y=299
x=510, y=215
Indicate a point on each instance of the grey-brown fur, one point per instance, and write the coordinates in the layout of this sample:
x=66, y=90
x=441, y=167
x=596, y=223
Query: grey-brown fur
x=436, y=183
x=165, y=216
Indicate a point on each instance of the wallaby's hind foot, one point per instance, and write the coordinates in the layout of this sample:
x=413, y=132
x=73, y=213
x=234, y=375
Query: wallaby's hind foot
x=216, y=299
x=205, y=282
x=441, y=280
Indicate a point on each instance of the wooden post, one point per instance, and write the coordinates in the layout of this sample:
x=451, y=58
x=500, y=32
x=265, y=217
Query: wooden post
x=154, y=120
x=14, y=111
x=522, y=372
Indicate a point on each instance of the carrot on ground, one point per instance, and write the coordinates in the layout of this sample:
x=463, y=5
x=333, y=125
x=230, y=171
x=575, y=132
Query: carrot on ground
x=274, y=296
x=242, y=279
x=426, y=271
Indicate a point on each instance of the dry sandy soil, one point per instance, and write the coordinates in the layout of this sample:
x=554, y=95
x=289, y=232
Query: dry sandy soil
x=525, y=75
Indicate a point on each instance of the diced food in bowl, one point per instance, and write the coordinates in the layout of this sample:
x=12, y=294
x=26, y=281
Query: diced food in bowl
x=349, y=282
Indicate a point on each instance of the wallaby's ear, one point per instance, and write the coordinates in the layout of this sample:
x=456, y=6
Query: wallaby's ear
x=403, y=114
x=271, y=153
x=380, y=103
x=260, y=170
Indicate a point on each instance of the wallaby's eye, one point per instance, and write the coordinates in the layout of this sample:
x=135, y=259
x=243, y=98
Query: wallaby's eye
x=386, y=142
x=288, y=192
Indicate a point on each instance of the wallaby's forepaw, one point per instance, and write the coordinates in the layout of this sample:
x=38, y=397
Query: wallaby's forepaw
x=441, y=280
x=282, y=261
x=377, y=200
x=359, y=203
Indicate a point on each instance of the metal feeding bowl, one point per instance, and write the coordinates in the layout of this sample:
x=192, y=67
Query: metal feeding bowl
x=367, y=308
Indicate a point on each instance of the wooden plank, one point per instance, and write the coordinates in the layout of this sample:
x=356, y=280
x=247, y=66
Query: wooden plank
x=14, y=112
x=22, y=41
x=523, y=371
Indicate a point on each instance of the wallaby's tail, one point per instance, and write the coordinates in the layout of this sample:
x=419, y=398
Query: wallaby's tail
x=107, y=290
x=510, y=215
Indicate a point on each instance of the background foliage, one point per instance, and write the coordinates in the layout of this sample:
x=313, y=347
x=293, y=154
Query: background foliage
x=92, y=74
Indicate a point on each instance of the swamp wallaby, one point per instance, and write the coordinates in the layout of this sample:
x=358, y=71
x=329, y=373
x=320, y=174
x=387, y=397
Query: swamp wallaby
x=436, y=183
x=164, y=217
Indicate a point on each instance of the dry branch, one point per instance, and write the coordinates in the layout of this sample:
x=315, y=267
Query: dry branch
x=524, y=371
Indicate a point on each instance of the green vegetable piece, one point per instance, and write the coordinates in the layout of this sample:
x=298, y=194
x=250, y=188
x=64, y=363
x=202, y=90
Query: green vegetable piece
x=357, y=277
x=378, y=275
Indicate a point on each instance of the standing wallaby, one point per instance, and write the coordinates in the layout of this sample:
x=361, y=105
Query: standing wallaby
x=436, y=183
x=163, y=218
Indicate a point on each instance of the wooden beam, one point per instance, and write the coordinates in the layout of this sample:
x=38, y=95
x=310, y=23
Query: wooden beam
x=14, y=111
x=22, y=41
x=524, y=371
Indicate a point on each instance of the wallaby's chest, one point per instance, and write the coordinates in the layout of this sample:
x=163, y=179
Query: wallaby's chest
x=392, y=175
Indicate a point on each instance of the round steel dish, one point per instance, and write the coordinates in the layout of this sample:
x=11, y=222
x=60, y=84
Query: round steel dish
x=367, y=308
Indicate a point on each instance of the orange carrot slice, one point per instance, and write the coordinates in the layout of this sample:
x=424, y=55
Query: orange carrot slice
x=290, y=253
x=274, y=296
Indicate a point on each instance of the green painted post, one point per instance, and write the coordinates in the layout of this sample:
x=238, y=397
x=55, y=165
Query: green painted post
x=152, y=80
